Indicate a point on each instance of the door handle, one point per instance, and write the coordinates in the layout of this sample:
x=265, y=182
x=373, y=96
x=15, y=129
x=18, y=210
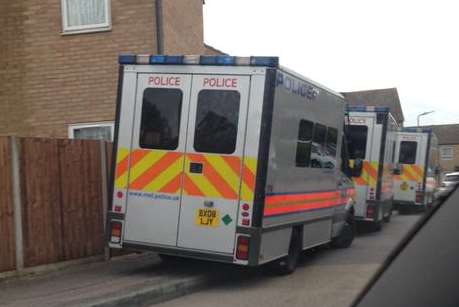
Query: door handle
x=196, y=168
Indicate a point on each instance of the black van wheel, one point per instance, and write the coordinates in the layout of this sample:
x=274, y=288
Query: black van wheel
x=288, y=264
x=346, y=236
x=388, y=216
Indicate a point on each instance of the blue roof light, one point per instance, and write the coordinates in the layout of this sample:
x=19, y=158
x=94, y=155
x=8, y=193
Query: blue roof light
x=208, y=60
x=264, y=61
x=166, y=59
x=225, y=60
x=416, y=129
x=127, y=59
x=361, y=108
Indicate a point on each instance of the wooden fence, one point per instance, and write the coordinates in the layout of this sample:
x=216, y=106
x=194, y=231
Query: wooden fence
x=7, y=242
x=62, y=200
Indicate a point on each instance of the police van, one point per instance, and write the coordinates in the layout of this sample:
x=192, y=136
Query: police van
x=371, y=135
x=230, y=159
x=417, y=175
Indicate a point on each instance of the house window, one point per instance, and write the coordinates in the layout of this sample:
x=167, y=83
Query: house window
x=92, y=131
x=79, y=16
x=446, y=153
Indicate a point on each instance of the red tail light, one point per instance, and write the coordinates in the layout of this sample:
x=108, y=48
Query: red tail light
x=419, y=197
x=242, y=251
x=370, y=212
x=116, y=232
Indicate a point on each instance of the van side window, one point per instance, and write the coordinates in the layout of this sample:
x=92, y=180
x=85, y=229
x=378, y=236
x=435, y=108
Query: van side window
x=160, y=118
x=303, y=146
x=318, y=146
x=408, y=152
x=330, y=148
x=217, y=117
x=357, y=137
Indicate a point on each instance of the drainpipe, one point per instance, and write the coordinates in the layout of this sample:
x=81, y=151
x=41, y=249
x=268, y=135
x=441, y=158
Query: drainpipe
x=159, y=27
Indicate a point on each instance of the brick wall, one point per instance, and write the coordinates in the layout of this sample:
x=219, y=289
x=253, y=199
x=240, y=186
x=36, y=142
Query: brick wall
x=183, y=27
x=450, y=165
x=49, y=80
x=11, y=63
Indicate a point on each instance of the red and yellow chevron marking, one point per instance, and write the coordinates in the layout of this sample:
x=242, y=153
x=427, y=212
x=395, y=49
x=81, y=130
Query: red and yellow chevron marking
x=290, y=203
x=150, y=170
x=221, y=177
x=369, y=174
x=411, y=172
x=162, y=171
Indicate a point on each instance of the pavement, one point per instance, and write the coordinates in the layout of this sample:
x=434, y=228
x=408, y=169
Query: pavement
x=326, y=277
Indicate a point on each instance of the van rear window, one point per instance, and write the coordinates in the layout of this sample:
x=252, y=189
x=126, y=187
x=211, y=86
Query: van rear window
x=160, y=119
x=408, y=152
x=357, y=141
x=217, y=117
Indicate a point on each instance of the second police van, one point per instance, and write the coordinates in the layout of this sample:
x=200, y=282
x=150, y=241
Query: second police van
x=231, y=159
x=371, y=135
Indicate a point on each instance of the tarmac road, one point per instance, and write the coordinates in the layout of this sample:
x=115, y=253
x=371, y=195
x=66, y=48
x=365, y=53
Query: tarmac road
x=325, y=277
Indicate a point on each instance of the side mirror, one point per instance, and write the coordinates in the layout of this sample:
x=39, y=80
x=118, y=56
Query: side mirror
x=357, y=168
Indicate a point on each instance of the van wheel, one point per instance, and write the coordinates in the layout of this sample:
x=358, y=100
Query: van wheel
x=288, y=264
x=346, y=236
x=388, y=216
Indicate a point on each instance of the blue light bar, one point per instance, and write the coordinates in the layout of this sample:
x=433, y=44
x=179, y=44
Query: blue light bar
x=127, y=59
x=221, y=60
x=362, y=108
x=166, y=59
x=416, y=129
x=269, y=61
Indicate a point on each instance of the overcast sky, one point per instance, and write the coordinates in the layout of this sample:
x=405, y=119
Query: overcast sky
x=353, y=45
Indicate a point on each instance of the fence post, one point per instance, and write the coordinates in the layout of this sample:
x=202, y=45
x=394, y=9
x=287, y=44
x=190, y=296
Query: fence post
x=104, y=173
x=17, y=202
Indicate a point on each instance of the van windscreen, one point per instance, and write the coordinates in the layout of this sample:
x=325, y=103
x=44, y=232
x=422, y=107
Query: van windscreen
x=408, y=152
x=217, y=117
x=357, y=141
x=160, y=119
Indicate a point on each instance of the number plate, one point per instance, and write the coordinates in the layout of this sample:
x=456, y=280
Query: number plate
x=207, y=217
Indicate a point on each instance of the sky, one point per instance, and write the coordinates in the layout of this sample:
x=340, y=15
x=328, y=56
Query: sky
x=352, y=45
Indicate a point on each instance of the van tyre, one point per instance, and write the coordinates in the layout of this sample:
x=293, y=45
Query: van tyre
x=288, y=264
x=388, y=216
x=346, y=236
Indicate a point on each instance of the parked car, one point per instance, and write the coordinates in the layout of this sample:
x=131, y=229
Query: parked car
x=448, y=184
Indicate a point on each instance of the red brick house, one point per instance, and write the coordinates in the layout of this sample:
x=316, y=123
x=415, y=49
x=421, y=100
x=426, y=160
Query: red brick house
x=58, y=58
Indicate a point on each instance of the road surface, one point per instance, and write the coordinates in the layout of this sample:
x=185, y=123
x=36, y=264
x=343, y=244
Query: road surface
x=325, y=277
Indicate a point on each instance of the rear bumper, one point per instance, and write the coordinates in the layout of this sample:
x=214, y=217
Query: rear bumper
x=409, y=205
x=186, y=253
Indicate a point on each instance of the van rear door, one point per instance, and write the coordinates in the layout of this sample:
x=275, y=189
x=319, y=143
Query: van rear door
x=156, y=158
x=411, y=155
x=214, y=155
x=360, y=134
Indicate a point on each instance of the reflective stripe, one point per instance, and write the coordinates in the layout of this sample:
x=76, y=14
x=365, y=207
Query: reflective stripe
x=162, y=171
x=411, y=172
x=289, y=203
x=369, y=175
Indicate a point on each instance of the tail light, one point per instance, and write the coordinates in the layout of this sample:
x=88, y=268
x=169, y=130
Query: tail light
x=116, y=228
x=419, y=197
x=370, y=212
x=242, y=251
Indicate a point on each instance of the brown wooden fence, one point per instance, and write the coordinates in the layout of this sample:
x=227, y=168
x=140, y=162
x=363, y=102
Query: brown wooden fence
x=7, y=243
x=61, y=200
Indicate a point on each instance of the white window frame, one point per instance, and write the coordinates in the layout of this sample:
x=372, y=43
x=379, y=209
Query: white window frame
x=73, y=127
x=444, y=156
x=106, y=26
